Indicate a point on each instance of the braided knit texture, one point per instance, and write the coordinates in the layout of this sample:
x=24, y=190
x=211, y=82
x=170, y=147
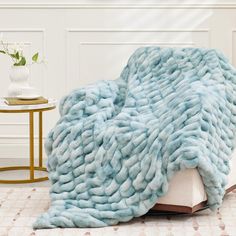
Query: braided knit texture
x=118, y=143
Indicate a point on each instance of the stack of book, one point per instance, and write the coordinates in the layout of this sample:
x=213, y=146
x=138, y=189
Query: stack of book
x=12, y=101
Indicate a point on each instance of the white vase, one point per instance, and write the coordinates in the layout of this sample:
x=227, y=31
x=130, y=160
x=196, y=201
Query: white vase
x=19, y=76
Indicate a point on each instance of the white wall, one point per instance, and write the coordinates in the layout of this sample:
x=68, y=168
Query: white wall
x=85, y=41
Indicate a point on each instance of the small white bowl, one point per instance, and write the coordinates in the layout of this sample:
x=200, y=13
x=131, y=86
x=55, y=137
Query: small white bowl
x=28, y=97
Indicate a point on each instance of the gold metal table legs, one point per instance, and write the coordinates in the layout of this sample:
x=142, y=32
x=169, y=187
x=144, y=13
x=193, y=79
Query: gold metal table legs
x=22, y=181
x=40, y=139
x=31, y=135
x=31, y=167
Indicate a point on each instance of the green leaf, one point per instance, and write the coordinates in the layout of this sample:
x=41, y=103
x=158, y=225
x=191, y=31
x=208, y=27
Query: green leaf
x=35, y=57
x=13, y=55
x=17, y=55
x=1, y=51
x=22, y=62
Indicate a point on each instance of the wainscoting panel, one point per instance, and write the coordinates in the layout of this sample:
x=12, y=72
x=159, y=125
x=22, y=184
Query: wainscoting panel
x=87, y=47
x=86, y=41
x=233, y=55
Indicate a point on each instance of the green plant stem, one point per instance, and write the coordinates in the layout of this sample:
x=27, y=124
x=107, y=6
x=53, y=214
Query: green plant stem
x=17, y=56
x=7, y=52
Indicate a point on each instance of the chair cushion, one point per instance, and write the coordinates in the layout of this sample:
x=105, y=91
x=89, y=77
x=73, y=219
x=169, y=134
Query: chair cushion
x=186, y=190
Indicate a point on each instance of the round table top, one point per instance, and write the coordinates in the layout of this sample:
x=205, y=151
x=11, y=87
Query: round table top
x=4, y=108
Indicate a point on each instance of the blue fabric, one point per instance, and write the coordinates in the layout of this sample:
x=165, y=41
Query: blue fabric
x=118, y=143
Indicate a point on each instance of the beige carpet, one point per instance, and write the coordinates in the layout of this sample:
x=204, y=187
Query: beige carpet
x=19, y=207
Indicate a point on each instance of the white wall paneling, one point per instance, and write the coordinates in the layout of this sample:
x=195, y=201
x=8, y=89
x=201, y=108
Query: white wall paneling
x=89, y=45
x=233, y=52
x=85, y=41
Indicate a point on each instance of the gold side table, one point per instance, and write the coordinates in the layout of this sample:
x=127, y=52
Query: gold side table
x=30, y=109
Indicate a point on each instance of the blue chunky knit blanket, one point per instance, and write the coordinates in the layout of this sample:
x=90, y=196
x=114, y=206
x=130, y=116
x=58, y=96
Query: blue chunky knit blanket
x=118, y=143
